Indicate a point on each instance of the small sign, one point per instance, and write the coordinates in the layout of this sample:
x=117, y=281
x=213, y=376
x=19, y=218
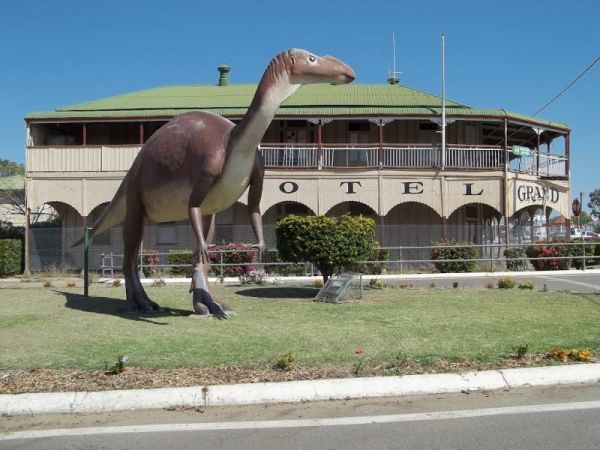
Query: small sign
x=576, y=207
x=595, y=217
x=520, y=150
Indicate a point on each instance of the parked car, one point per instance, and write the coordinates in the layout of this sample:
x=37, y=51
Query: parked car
x=590, y=235
x=575, y=233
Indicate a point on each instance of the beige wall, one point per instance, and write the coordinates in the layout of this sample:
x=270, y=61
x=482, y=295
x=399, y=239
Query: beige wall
x=322, y=190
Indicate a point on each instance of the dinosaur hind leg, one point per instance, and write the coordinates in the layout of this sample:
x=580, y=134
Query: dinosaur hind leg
x=133, y=228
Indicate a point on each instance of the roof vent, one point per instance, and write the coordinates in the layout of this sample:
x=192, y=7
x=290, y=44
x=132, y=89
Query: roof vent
x=393, y=78
x=223, y=74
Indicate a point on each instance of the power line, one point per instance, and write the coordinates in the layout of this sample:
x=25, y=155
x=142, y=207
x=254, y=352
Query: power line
x=566, y=88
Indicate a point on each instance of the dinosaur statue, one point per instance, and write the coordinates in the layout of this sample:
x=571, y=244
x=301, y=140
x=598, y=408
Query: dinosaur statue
x=200, y=163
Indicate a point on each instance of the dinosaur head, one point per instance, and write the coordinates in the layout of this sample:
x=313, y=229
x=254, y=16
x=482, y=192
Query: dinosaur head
x=307, y=68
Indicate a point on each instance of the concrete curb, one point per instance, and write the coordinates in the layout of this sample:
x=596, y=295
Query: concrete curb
x=294, y=391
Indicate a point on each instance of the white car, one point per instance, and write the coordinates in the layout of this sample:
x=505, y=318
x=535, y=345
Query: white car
x=590, y=235
x=575, y=233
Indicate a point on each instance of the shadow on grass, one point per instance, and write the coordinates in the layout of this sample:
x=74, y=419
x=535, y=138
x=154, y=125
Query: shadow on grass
x=116, y=307
x=280, y=292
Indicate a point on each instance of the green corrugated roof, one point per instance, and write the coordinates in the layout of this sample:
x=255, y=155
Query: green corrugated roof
x=311, y=100
x=12, y=183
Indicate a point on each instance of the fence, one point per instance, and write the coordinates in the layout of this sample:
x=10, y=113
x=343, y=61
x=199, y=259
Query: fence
x=408, y=246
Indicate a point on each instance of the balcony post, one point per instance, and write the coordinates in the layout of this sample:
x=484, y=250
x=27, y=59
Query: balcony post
x=320, y=145
x=141, y=133
x=568, y=155
x=84, y=134
x=380, y=153
x=505, y=203
x=538, y=131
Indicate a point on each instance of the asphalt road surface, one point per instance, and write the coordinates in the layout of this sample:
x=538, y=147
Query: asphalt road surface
x=544, y=418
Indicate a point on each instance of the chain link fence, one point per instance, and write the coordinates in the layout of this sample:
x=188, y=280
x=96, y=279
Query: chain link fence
x=405, y=248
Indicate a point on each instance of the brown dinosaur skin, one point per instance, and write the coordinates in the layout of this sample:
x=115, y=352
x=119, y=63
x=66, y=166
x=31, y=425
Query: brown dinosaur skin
x=200, y=163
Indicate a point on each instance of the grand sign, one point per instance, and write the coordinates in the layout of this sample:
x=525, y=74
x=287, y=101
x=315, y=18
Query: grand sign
x=533, y=194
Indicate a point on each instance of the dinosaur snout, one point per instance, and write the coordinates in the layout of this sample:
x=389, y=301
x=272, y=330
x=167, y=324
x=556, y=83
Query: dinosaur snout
x=345, y=73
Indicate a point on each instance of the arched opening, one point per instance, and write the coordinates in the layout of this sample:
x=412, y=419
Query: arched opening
x=530, y=224
x=412, y=224
x=50, y=242
x=468, y=223
x=277, y=212
x=354, y=209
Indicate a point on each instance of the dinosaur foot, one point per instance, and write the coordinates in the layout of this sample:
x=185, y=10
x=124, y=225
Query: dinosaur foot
x=204, y=305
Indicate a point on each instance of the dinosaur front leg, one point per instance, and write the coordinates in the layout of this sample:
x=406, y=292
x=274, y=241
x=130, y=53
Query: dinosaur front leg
x=201, y=298
x=254, y=196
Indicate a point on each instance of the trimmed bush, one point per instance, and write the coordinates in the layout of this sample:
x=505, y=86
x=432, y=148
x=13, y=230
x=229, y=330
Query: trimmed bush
x=10, y=257
x=544, y=250
x=327, y=242
x=516, y=259
x=447, y=251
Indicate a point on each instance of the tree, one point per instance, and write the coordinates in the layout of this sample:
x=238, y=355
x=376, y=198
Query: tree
x=594, y=203
x=327, y=242
x=8, y=168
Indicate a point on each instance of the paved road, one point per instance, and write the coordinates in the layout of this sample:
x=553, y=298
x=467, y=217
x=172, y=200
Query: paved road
x=576, y=281
x=545, y=418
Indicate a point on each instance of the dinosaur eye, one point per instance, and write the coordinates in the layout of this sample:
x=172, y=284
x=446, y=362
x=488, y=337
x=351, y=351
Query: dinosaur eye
x=312, y=59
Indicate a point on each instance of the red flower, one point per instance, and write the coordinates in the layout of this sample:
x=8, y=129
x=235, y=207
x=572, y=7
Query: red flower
x=359, y=352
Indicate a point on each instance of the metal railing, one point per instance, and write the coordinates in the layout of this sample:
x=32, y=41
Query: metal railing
x=490, y=256
x=108, y=158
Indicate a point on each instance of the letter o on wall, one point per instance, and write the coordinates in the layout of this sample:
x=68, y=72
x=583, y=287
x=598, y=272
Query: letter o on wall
x=288, y=187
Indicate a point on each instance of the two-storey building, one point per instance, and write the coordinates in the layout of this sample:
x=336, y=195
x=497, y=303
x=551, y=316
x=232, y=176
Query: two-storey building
x=374, y=150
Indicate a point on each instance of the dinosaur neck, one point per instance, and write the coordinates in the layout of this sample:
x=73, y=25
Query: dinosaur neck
x=274, y=88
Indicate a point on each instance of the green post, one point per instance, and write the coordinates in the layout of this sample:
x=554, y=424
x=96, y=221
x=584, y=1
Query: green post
x=86, y=266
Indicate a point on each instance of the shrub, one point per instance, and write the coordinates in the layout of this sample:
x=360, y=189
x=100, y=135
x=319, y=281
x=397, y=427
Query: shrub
x=10, y=257
x=286, y=362
x=577, y=250
x=526, y=285
x=375, y=283
x=378, y=254
x=328, y=242
x=253, y=277
x=232, y=254
x=283, y=269
x=447, y=251
x=150, y=259
x=184, y=260
x=544, y=250
x=506, y=283
x=516, y=259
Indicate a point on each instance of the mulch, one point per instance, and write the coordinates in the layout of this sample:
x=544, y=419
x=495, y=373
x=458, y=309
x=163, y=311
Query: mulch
x=64, y=380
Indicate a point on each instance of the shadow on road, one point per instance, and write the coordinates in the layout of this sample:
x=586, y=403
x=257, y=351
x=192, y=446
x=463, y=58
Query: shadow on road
x=280, y=292
x=116, y=307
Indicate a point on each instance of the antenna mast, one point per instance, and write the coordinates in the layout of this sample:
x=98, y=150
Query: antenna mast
x=393, y=77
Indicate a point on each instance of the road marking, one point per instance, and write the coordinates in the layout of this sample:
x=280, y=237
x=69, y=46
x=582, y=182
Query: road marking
x=302, y=423
x=578, y=283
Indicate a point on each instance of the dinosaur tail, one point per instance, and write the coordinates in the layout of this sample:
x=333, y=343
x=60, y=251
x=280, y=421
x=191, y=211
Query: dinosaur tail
x=112, y=215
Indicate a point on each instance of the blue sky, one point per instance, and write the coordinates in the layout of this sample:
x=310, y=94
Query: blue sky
x=500, y=54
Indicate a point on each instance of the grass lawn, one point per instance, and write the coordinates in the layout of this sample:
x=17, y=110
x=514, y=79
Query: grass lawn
x=58, y=328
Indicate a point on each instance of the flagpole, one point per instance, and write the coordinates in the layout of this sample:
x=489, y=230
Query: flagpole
x=443, y=100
